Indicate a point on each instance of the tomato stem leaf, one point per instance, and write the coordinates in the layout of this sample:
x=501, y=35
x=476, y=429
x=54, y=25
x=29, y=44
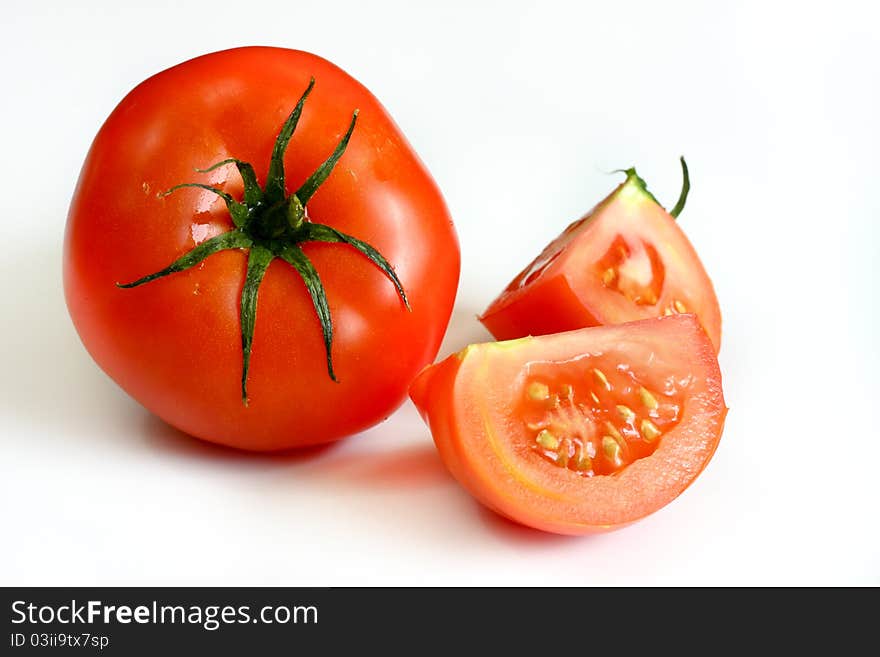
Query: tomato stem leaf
x=321, y=233
x=252, y=192
x=233, y=239
x=294, y=256
x=259, y=259
x=685, y=188
x=310, y=186
x=275, y=178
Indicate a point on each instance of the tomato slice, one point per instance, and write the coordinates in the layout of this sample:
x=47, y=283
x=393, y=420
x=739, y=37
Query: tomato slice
x=627, y=259
x=582, y=431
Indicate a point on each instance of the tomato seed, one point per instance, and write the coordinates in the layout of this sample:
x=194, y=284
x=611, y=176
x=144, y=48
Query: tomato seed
x=547, y=440
x=648, y=399
x=650, y=430
x=611, y=448
x=538, y=391
x=626, y=413
x=601, y=378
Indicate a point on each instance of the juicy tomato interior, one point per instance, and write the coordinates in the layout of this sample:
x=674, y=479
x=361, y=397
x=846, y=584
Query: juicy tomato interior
x=626, y=260
x=580, y=431
x=597, y=414
x=634, y=269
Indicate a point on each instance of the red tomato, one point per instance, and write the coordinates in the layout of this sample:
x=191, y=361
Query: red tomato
x=626, y=260
x=193, y=345
x=582, y=431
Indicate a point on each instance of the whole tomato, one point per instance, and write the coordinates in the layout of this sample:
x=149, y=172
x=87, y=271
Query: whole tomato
x=299, y=276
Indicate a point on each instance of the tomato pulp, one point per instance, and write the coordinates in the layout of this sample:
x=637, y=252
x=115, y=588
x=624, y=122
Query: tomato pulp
x=582, y=431
x=627, y=259
x=372, y=240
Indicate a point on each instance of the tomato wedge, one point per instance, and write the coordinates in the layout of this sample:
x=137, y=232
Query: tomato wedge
x=578, y=432
x=626, y=260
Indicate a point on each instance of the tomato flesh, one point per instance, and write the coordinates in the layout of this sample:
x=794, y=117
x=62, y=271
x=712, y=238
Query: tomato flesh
x=626, y=260
x=580, y=431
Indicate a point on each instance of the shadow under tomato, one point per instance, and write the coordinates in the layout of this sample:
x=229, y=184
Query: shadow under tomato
x=406, y=467
x=403, y=468
x=363, y=473
x=164, y=438
x=514, y=531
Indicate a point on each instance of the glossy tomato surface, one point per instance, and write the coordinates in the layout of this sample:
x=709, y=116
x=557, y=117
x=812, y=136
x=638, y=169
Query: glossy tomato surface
x=578, y=432
x=175, y=344
x=628, y=259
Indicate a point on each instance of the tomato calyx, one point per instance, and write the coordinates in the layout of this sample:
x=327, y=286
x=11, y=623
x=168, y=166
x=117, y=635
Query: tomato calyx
x=269, y=224
x=635, y=179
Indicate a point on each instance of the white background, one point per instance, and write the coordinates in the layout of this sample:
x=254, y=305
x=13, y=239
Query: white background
x=519, y=110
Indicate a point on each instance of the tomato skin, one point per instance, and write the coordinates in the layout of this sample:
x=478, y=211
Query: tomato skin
x=464, y=400
x=175, y=343
x=563, y=288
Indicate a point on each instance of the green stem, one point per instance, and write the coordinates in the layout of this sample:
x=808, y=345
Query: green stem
x=296, y=213
x=685, y=188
